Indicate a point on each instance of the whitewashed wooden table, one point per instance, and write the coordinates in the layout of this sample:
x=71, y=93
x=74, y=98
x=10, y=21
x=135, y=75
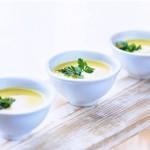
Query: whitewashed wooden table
x=124, y=112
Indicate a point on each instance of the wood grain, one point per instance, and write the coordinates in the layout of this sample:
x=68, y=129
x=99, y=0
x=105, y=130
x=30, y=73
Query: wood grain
x=139, y=142
x=118, y=116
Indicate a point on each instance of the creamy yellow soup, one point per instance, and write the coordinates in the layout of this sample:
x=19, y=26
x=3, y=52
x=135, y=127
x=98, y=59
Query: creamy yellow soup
x=145, y=43
x=101, y=69
x=25, y=99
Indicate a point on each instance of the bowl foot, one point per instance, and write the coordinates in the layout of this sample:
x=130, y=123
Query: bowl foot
x=12, y=138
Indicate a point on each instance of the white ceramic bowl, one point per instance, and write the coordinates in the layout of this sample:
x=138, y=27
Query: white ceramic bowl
x=82, y=92
x=15, y=125
x=138, y=66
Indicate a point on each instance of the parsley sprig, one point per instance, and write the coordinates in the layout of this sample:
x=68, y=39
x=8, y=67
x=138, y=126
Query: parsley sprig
x=6, y=102
x=124, y=45
x=76, y=71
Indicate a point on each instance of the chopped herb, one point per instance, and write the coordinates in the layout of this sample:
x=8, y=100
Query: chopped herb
x=76, y=71
x=6, y=102
x=124, y=45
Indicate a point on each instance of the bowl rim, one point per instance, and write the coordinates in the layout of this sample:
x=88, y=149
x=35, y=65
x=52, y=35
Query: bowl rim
x=48, y=97
x=114, y=36
x=112, y=73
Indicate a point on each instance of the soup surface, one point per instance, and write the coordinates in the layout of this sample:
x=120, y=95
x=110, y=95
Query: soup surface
x=25, y=99
x=145, y=44
x=101, y=69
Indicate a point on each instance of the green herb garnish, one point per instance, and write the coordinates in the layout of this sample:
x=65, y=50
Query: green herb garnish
x=76, y=71
x=124, y=45
x=6, y=102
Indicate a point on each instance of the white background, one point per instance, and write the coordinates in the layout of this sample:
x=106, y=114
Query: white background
x=31, y=31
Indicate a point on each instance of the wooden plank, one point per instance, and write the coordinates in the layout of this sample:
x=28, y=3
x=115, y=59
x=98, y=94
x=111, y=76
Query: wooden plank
x=140, y=141
x=113, y=120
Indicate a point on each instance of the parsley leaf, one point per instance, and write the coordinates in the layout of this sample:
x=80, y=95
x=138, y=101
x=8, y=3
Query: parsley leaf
x=6, y=102
x=128, y=47
x=88, y=69
x=76, y=71
x=81, y=63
